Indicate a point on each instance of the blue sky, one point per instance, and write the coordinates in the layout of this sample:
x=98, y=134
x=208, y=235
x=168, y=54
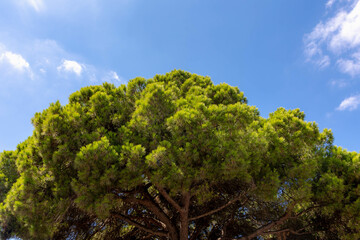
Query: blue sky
x=294, y=54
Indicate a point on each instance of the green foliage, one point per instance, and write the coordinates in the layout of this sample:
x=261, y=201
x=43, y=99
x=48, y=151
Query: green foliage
x=8, y=172
x=176, y=156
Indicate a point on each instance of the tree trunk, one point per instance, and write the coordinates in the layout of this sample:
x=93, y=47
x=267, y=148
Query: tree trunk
x=184, y=218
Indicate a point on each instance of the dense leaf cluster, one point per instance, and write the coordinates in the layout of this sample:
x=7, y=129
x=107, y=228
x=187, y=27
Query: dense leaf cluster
x=176, y=157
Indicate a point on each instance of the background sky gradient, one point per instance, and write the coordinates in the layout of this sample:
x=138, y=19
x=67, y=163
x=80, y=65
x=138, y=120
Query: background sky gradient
x=294, y=54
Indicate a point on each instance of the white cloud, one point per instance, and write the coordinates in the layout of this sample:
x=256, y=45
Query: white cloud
x=48, y=65
x=340, y=83
x=350, y=103
x=15, y=60
x=320, y=36
x=323, y=62
x=330, y=3
x=350, y=66
x=38, y=5
x=338, y=37
x=70, y=66
x=15, y=70
x=348, y=34
x=114, y=76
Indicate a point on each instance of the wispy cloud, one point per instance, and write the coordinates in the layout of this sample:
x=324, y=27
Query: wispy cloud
x=350, y=66
x=44, y=66
x=323, y=61
x=38, y=5
x=112, y=76
x=337, y=39
x=340, y=83
x=64, y=8
x=70, y=66
x=350, y=103
x=330, y=3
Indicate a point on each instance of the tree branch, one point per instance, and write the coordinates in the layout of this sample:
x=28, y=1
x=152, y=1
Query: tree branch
x=152, y=206
x=267, y=227
x=218, y=209
x=140, y=226
x=307, y=210
x=286, y=216
x=157, y=200
x=298, y=232
x=168, y=198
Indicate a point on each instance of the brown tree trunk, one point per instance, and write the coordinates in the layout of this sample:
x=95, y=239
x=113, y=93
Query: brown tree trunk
x=184, y=218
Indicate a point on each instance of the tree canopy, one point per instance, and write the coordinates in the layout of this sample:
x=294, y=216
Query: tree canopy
x=176, y=157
